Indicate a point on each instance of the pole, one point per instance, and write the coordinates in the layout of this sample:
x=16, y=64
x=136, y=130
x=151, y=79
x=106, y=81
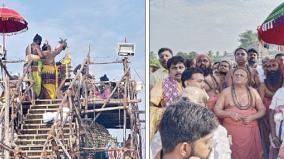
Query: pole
x=6, y=122
x=126, y=94
x=4, y=48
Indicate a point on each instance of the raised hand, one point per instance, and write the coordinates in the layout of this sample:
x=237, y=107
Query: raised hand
x=63, y=42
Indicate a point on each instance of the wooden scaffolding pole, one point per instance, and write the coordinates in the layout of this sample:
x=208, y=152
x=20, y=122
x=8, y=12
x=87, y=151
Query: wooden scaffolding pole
x=126, y=95
x=6, y=118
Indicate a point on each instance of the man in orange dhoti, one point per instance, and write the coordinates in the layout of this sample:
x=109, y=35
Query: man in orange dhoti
x=240, y=106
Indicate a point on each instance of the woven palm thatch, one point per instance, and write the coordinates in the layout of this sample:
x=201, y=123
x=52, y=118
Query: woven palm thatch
x=96, y=135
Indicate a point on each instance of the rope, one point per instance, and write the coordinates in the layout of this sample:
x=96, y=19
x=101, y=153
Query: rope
x=138, y=74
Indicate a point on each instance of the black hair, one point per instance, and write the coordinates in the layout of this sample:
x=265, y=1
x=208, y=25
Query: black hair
x=187, y=74
x=104, y=78
x=164, y=49
x=185, y=121
x=175, y=60
x=226, y=62
x=216, y=63
x=45, y=47
x=279, y=55
x=240, y=48
x=78, y=67
x=252, y=50
x=189, y=63
x=37, y=38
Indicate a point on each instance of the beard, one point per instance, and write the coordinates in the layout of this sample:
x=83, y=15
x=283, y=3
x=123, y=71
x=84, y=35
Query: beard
x=206, y=71
x=223, y=73
x=251, y=61
x=195, y=154
x=273, y=77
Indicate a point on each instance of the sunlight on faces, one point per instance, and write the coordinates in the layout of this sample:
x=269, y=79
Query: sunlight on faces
x=176, y=71
x=241, y=56
x=164, y=57
x=240, y=76
x=224, y=67
x=203, y=62
x=281, y=58
x=253, y=56
x=197, y=80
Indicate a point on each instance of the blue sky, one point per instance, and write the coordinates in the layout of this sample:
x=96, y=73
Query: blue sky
x=100, y=23
x=203, y=25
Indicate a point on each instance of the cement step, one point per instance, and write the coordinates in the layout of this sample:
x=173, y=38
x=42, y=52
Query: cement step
x=29, y=147
x=36, y=154
x=34, y=116
x=43, y=126
x=35, y=137
x=45, y=106
x=35, y=142
x=41, y=131
x=41, y=111
x=48, y=101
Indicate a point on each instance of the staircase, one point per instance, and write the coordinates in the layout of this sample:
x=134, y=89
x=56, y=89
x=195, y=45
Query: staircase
x=34, y=132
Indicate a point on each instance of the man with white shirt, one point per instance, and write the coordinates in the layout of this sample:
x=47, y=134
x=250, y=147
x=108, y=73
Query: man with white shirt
x=276, y=117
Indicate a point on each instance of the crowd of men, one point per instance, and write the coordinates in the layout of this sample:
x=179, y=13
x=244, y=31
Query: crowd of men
x=245, y=98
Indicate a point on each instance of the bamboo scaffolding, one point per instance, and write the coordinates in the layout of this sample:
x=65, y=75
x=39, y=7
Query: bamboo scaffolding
x=107, y=100
x=56, y=133
x=6, y=118
x=8, y=148
x=104, y=109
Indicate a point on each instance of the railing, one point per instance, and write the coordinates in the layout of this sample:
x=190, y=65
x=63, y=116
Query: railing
x=13, y=100
x=56, y=133
x=123, y=90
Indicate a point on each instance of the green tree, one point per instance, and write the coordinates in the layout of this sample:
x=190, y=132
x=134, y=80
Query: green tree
x=247, y=38
x=183, y=54
x=210, y=54
x=192, y=54
x=217, y=54
x=153, y=60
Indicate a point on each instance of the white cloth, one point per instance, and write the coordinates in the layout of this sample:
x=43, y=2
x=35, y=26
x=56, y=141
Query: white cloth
x=260, y=72
x=277, y=104
x=50, y=116
x=156, y=144
x=221, y=148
